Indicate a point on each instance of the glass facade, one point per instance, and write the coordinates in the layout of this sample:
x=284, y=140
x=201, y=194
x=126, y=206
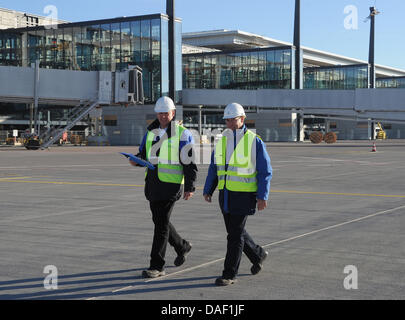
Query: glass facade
x=10, y=48
x=392, y=82
x=248, y=69
x=178, y=57
x=265, y=68
x=339, y=77
x=105, y=45
x=20, y=111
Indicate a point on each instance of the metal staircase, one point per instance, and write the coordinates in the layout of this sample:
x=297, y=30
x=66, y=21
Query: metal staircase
x=52, y=135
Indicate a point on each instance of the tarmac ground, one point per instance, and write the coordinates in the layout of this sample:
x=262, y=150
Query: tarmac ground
x=334, y=227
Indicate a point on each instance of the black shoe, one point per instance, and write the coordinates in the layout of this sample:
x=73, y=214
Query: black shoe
x=256, y=268
x=181, y=258
x=224, y=282
x=152, y=273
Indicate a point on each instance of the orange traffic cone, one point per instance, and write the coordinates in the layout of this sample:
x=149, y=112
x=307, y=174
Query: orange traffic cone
x=374, y=149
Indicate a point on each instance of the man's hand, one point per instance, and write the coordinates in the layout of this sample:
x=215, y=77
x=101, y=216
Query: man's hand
x=188, y=195
x=261, y=204
x=207, y=197
x=133, y=163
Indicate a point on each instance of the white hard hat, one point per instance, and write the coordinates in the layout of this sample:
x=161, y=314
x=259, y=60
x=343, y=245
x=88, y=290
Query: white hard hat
x=233, y=110
x=164, y=104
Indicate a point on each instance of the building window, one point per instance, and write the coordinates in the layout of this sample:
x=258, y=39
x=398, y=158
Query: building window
x=339, y=77
x=284, y=123
x=362, y=125
x=110, y=121
x=247, y=69
x=110, y=46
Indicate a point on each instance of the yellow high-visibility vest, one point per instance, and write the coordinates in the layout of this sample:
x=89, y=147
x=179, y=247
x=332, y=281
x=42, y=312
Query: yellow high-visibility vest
x=168, y=166
x=240, y=175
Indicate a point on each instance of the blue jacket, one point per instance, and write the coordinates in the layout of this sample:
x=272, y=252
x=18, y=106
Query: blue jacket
x=243, y=203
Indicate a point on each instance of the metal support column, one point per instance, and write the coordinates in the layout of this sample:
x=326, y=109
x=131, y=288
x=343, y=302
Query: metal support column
x=371, y=59
x=373, y=12
x=373, y=135
x=31, y=106
x=200, y=120
x=172, y=45
x=297, y=44
x=298, y=62
x=36, y=90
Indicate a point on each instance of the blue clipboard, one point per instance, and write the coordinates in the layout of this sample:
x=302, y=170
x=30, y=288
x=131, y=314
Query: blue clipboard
x=139, y=161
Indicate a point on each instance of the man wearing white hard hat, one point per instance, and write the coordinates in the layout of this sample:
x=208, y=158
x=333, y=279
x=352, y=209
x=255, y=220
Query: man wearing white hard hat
x=169, y=147
x=240, y=167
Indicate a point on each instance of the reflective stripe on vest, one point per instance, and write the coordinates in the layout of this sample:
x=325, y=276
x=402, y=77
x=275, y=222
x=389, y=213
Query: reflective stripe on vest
x=240, y=174
x=168, y=163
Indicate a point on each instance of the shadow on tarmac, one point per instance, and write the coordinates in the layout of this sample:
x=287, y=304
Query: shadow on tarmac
x=103, y=286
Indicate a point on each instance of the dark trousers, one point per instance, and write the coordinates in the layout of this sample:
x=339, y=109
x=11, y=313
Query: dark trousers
x=238, y=241
x=164, y=232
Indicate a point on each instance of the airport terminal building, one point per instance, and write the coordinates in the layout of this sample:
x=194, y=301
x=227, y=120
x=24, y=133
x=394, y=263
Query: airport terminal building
x=234, y=59
x=102, y=45
x=205, y=61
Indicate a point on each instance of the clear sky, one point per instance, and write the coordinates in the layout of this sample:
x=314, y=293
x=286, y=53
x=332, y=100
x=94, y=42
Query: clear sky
x=325, y=25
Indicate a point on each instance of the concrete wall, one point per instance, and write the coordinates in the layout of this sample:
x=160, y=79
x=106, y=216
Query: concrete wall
x=274, y=126
x=352, y=130
x=16, y=19
x=383, y=104
x=132, y=122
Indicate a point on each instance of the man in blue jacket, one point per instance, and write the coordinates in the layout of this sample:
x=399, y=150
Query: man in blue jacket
x=240, y=167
